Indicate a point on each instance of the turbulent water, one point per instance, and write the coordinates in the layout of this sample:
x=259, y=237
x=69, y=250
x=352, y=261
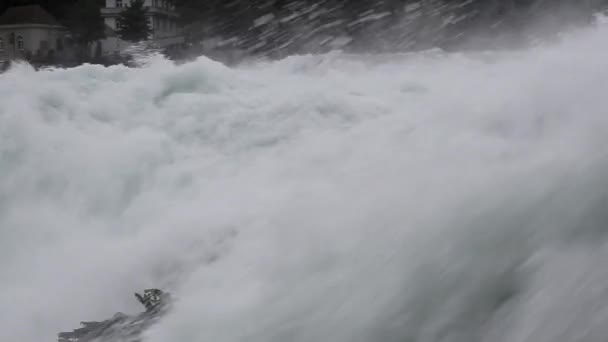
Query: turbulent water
x=420, y=197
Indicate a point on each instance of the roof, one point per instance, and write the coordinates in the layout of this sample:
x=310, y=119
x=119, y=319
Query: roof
x=31, y=14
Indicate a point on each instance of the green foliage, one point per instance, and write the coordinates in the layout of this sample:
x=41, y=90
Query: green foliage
x=85, y=22
x=134, y=23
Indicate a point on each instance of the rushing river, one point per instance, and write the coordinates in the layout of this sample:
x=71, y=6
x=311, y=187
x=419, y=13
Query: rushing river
x=423, y=197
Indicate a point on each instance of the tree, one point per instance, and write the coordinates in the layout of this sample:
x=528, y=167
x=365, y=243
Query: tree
x=86, y=24
x=134, y=23
x=98, y=51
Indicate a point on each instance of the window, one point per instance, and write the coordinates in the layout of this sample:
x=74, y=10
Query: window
x=1, y=44
x=118, y=3
x=118, y=24
x=59, y=44
x=20, y=43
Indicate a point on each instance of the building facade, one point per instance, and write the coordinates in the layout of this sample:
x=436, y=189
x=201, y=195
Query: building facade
x=31, y=33
x=162, y=19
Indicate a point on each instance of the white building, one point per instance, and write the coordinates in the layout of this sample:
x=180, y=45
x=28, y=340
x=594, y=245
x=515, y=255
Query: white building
x=162, y=18
x=30, y=32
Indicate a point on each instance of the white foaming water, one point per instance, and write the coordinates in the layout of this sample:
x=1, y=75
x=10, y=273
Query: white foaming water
x=423, y=197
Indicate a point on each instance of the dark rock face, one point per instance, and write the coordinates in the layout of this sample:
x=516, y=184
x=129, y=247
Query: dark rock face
x=121, y=327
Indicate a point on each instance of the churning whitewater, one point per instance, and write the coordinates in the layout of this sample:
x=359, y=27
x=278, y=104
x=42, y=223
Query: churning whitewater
x=419, y=197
